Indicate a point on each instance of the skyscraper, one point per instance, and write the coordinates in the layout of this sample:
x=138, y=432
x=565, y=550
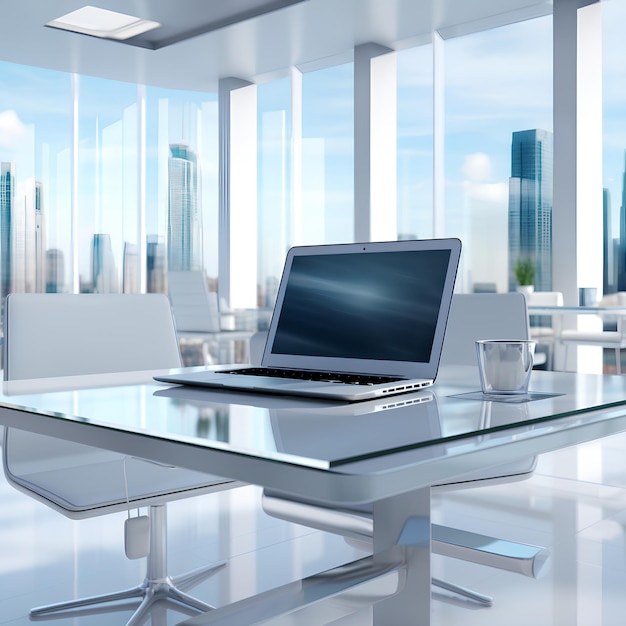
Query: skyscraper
x=156, y=265
x=7, y=202
x=104, y=272
x=55, y=271
x=530, y=205
x=621, y=260
x=131, y=268
x=610, y=251
x=28, y=239
x=184, y=220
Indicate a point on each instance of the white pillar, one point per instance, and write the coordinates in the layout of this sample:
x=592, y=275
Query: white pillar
x=439, y=179
x=142, y=245
x=238, y=193
x=375, y=143
x=577, y=202
x=73, y=260
x=577, y=249
x=296, y=156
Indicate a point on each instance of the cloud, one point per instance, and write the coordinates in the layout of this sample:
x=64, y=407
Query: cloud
x=477, y=167
x=497, y=193
x=12, y=130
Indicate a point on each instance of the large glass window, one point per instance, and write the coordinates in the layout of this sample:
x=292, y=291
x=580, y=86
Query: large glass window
x=182, y=187
x=327, y=155
x=614, y=145
x=94, y=176
x=107, y=183
x=498, y=94
x=35, y=198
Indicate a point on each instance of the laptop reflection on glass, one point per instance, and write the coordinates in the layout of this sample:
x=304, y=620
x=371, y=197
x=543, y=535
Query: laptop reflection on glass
x=351, y=322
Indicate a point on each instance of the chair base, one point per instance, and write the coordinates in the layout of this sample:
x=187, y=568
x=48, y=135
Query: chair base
x=150, y=591
x=157, y=586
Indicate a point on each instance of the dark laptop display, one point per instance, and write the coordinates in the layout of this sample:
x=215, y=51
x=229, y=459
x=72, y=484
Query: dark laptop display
x=380, y=306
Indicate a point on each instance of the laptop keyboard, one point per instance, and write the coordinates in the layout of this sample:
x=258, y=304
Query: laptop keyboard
x=330, y=377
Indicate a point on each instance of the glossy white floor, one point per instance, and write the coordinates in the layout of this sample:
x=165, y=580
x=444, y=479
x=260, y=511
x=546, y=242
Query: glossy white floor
x=575, y=504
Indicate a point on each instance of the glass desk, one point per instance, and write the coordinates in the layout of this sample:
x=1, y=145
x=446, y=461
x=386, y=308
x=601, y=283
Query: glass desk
x=387, y=452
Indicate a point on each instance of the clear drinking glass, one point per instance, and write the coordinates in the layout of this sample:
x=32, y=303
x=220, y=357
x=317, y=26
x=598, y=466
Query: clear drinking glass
x=505, y=366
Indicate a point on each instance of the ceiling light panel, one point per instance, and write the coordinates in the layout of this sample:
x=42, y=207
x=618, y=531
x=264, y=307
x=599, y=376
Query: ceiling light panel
x=97, y=22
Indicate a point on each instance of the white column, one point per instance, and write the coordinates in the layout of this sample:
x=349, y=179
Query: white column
x=577, y=236
x=142, y=245
x=439, y=179
x=238, y=193
x=73, y=260
x=375, y=143
x=296, y=156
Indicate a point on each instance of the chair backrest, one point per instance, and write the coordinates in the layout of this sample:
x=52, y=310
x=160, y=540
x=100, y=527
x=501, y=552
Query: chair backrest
x=195, y=308
x=49, y=335
x=257, y=347
x=545, y=298
x=482, y=316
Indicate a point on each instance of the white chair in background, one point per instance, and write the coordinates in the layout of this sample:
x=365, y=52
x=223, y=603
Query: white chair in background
x=51, y=335
x=472, y=317
x=198, y=319
x=195, y=308
x=610, y=339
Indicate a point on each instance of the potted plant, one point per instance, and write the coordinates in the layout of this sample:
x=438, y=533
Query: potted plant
x=525, y=274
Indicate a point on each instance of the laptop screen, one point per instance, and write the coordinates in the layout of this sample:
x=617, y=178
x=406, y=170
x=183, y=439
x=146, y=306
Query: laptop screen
x=365, y=306
x=351, y=306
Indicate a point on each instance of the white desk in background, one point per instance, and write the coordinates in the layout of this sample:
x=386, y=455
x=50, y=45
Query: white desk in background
x=389, y=452
x=587, y=327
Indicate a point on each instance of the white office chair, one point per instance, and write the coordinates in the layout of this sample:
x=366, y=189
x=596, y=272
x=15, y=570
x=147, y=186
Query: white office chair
x=472, y=316
x=49, y=335
x=195, y=308
x=198, y=319
x=610, y=339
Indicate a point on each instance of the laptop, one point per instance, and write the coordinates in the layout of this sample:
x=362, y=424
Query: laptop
x=351, y=322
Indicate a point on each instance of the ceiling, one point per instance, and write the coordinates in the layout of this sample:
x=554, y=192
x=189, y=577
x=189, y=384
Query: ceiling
x=202, y=41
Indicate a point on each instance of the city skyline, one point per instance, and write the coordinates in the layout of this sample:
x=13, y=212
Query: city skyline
x=529, y=215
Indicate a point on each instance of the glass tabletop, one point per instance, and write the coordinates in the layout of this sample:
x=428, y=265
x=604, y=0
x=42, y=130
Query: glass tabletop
x=578, y=310
x=312, y=433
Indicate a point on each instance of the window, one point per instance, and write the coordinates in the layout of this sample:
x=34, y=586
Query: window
x=614, y=146
x=497, y=83
x=327, y=155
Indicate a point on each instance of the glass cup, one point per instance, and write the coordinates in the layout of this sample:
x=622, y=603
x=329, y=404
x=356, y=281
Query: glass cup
x=505, y=365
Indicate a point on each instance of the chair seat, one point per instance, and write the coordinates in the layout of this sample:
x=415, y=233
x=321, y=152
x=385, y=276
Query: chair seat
x=103, y=489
